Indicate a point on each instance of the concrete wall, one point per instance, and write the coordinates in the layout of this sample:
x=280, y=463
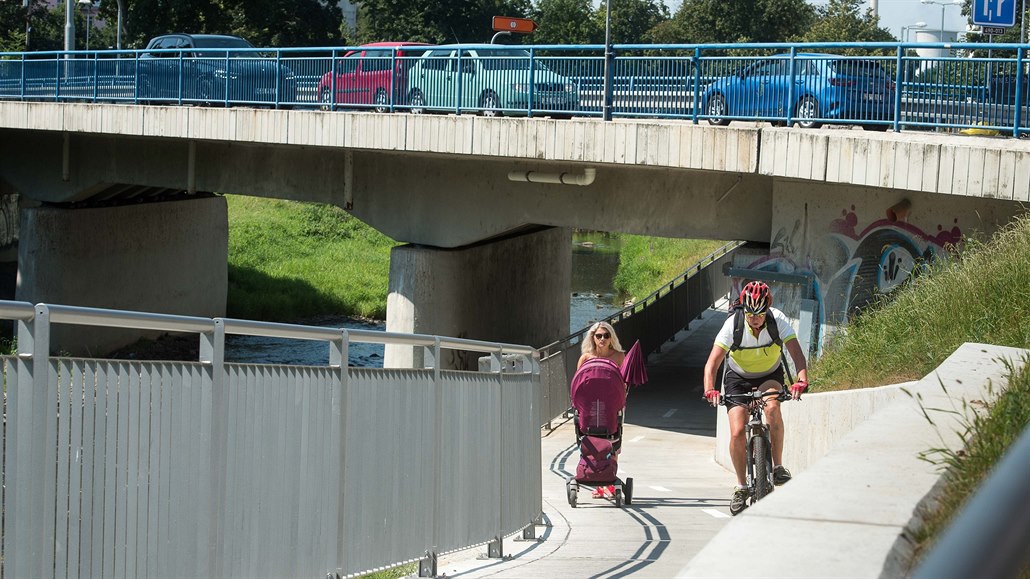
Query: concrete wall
x=166, y=257
x=862, y=242
x=513, y=290
x=853, y=512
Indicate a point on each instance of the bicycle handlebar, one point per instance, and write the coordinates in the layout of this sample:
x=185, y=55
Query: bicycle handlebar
x=781, y=395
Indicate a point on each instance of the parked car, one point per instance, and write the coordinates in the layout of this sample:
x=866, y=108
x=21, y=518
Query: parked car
x=211, y=68
x=370, y=76
x=826, y=87
x=493, y=79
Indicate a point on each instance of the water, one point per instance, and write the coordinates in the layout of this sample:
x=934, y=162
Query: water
x=595, y=259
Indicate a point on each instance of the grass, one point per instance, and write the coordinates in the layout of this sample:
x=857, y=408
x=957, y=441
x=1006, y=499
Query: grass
x=978, y=297
x=289, y=260
x=648, y=263
x=989, y=434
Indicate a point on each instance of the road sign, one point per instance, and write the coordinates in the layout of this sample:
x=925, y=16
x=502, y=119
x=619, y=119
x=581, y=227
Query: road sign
x=524, y=25
x=994, y=12
x=993, y=30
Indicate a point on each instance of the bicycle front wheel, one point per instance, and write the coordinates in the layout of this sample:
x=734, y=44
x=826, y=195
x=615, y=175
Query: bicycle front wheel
x=763, y=467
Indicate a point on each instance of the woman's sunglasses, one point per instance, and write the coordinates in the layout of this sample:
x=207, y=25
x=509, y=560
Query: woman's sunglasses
x=603, y=336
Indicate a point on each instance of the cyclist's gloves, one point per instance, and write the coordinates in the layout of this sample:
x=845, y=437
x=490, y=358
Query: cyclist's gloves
x=797, y=388
x=712, y=396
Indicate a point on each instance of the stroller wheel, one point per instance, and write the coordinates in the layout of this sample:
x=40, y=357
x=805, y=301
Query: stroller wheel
x=628, y=487
x=573, y=492
x=618, y=498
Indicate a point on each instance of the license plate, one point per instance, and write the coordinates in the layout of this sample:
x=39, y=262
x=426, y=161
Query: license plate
x=872, y=97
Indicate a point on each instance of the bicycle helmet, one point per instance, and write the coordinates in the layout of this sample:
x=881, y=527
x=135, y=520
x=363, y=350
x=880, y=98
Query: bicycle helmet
x=755, y=297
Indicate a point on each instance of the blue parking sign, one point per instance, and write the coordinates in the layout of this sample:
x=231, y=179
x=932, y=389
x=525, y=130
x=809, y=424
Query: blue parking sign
x=994, y=12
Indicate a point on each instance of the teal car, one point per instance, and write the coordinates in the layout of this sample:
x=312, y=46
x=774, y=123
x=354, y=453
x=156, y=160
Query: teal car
x=489, y=79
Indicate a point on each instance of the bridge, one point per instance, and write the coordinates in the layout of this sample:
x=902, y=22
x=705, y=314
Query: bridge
x=835, y=216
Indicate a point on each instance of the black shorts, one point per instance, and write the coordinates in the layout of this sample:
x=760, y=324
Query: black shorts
x=734, y=383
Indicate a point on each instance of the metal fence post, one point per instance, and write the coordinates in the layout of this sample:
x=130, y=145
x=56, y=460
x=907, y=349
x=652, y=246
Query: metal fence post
x=212, y=357
x=697, y=82
x=30, y=504
x=339, y=358
x=898, y=86
x=1020, y=89
x=427, y=565
x=495, y=549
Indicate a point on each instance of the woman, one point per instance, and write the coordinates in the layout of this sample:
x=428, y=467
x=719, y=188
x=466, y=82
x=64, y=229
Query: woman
x=601, y=342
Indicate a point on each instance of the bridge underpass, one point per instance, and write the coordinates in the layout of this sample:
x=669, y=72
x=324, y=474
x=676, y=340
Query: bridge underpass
x=832, y=205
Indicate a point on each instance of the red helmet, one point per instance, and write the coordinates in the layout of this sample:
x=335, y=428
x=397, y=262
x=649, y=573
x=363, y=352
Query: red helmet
x=755, y=297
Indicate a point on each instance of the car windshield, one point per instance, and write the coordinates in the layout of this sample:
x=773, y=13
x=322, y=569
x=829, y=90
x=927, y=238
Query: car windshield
x=511, y=59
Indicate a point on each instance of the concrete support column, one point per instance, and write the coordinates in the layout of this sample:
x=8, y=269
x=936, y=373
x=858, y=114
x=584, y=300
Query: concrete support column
x=163, y=257
x=513, y=290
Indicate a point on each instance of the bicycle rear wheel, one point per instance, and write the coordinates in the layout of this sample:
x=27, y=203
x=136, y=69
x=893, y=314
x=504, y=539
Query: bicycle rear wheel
x=763, y=472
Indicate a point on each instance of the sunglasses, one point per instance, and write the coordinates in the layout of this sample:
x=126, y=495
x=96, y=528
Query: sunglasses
x=603, y=336
x=751, y=315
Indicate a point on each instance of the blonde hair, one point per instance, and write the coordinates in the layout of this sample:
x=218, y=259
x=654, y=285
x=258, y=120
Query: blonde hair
x=588, y=346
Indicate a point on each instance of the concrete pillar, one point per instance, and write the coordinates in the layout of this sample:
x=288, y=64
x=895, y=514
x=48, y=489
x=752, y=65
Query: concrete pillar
x=513, y=290
x=163, y=257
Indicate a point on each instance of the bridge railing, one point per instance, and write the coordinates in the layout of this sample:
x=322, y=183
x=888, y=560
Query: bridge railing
x=207, y=468
x=874, y=85
x=652, y=320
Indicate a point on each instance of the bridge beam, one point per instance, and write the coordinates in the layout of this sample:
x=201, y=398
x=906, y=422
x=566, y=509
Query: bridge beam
x=167, y=257
x=513, y=290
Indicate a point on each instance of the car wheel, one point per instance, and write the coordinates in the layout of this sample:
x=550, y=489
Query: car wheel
x=717, y=111
x=417, y=102
x=490, y=105
x=326, y=100
x=382, y=101
x=808, y=109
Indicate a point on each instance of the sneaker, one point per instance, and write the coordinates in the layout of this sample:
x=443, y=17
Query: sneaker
x=780, y=475
x=739, y=501
x=599, y=493
x=609, y=491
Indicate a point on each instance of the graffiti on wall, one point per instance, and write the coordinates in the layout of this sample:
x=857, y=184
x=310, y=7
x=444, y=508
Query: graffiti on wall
x=853, y=265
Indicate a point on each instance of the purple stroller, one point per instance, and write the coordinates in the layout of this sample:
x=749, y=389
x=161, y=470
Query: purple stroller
x=598, y=396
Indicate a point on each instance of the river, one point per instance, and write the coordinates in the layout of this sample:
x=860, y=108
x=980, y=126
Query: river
x=595, y=259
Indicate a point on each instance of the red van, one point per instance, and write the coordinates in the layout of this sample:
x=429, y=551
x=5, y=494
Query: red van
x=366, y=78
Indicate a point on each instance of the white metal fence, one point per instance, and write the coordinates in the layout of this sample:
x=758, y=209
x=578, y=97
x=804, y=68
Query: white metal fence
x=118, y=468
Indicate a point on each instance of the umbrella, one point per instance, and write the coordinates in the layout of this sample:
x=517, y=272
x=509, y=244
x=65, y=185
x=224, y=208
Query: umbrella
x=634, y=370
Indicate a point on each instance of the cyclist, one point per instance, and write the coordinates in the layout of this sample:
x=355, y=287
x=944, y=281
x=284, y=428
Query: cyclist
x=754, y=365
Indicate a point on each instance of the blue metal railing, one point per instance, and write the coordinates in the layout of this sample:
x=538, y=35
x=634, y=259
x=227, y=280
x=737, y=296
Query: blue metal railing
x=875, y=85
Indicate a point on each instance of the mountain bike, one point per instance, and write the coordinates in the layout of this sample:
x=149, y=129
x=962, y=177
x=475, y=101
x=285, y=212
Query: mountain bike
x=757, y=442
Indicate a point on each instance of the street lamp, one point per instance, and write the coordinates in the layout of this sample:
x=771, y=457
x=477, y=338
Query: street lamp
x=905, y=30
x=943, y=4
x=87, y=6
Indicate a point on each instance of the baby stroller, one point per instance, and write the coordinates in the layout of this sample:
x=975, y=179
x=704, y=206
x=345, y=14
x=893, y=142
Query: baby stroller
x=598, y=396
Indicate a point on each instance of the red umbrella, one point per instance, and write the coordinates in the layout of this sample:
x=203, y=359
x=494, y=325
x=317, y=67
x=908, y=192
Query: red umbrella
x=634, y=370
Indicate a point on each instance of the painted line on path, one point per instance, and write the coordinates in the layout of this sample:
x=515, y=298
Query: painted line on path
x=715, y=513
x=661, y=489
x=637, y=438
x=669, y=413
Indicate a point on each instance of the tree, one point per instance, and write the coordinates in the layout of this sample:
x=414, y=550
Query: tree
x=565, y=22
x=842, y=21
x=433, y=21
x=717, y=21
x=632, y=20
x=16, y=17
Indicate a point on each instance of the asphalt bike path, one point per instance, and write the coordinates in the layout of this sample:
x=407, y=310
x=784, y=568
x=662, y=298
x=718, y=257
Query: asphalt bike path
x=680, y=495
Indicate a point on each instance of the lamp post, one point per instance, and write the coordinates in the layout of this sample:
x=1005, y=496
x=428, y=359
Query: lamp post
x=943, y=4
x=905, y=30
x=606, y=102
x=87, y=6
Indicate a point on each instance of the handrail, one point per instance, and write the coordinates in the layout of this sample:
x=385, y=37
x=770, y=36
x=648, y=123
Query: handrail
x=639, y=306
x=78, y=315
x=676, y=81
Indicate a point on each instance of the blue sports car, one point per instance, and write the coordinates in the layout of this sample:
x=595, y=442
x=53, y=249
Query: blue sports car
x=826, y=88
